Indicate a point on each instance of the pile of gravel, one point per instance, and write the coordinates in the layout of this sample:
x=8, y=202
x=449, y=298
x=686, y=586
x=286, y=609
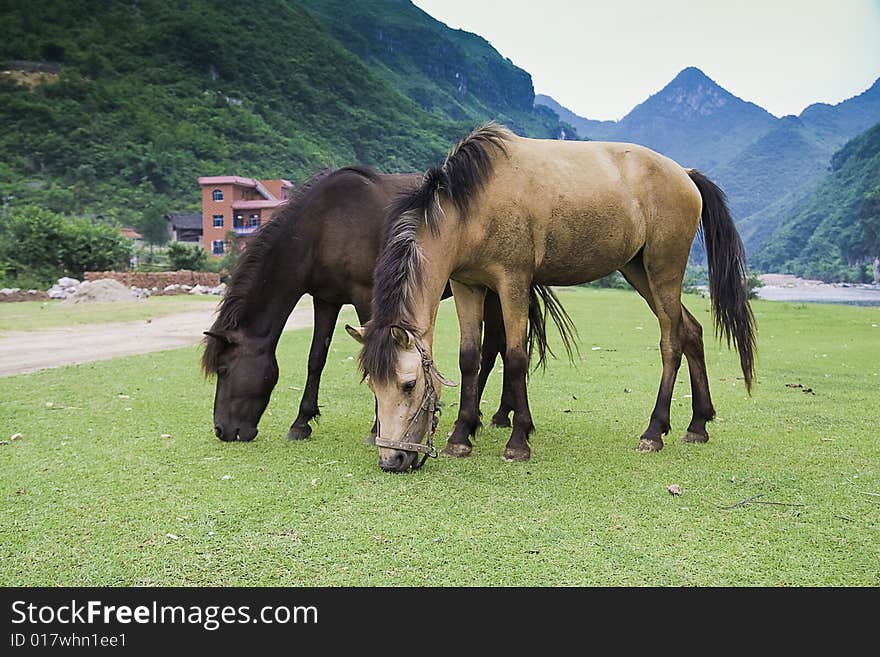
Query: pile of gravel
x=105, y=290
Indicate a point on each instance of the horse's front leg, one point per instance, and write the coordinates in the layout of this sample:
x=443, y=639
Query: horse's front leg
x=469, y=306
x=325, y=321
x=515, y=307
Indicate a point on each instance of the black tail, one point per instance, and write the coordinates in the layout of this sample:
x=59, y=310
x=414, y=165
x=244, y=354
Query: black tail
x=543, y=302
x=727, y=273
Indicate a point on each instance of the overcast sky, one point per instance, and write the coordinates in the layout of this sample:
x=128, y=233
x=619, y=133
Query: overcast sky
x=600, y=59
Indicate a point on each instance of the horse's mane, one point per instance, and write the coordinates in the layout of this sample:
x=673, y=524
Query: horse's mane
x=398, y=269
x=247, y=276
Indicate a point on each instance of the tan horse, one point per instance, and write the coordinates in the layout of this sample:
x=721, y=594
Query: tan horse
x=505, y=213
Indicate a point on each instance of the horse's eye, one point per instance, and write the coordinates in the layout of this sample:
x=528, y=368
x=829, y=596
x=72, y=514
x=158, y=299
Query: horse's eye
x=222, y=370
x=409, y=386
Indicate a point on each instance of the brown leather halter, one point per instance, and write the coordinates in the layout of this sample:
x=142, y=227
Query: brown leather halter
x=430, y=405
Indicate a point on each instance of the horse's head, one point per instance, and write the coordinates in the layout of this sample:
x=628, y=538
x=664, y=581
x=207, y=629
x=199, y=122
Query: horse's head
x=246, y=375
x=407, y=390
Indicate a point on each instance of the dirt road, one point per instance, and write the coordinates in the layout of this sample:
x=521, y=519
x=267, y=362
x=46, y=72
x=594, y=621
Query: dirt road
x=22, y=352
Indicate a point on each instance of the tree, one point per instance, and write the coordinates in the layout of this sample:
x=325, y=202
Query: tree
x=182, y=256
x=153, y=226
x=233, y=248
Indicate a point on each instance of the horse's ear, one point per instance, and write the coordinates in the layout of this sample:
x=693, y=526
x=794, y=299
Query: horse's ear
x=223, y=337
x=356, y=333
x=402, y=337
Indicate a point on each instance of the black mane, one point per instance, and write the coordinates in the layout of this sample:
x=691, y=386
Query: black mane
x=459, y=180
x=248, y=273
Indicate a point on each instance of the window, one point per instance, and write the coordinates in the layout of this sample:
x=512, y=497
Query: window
x=253, y=221
x=217, y=195
x=218, y=221
x=218, y=247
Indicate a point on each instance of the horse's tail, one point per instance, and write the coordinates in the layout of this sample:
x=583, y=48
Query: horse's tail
x=727, y=273
x=543, y=302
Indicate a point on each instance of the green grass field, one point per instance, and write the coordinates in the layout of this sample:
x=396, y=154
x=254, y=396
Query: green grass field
x=93, y=494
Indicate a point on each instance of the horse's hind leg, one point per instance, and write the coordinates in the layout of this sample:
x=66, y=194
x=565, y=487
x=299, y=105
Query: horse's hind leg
x=325, y=321
x=493, y=344
x=703, y=411
x=692, y=344
x=501, y=418
x=469, y=306
x=662, y=289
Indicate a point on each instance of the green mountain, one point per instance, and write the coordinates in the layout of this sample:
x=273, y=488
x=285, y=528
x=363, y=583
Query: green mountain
x=692, y=120
x=115, y=109
x=797, y=155
x=835, y=230
x=846, y=119
x=695, y=121
x=769, y=175
x=453, y=74
x=768, y=167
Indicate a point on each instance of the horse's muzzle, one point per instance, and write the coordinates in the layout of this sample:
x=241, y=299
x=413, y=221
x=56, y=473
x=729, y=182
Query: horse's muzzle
x=396, y=460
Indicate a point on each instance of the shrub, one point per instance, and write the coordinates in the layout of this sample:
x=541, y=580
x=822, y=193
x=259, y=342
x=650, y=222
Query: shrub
x=753, y=284
x=183, y=256
x=613, y=280
x=38, y=246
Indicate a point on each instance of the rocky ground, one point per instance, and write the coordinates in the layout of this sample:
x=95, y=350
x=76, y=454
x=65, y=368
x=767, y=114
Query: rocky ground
x=103, y=290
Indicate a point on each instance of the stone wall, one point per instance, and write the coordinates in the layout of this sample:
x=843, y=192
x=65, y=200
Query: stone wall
x=157, y=279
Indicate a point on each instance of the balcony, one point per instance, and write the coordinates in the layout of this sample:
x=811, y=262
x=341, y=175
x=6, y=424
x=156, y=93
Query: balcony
x=245, y=230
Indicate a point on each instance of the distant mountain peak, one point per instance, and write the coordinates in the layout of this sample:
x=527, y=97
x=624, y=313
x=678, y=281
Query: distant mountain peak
x=689, y=95
x=690, y=75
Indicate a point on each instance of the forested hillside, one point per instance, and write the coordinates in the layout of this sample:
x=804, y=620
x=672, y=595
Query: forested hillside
x=770, y=175
x=835, y=232
x=451, y=73
x=114, y=109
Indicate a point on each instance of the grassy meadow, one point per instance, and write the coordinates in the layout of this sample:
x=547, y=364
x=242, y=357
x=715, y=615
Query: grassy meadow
x=118, y=479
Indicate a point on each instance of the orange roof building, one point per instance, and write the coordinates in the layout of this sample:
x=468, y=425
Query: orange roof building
x=238, y=204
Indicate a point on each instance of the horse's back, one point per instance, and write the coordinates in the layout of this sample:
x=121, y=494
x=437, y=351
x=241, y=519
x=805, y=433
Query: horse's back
x=591, y=168
x=345, y=221
x=589, y=207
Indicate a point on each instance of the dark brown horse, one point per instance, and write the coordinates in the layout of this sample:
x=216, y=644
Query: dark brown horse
x=505, y=213
x=324, y=242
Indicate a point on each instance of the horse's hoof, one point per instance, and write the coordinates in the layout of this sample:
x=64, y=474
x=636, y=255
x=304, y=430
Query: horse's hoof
x=649, y=445
x=501, y=422
x=299, y=433
x=517, y=454
x=458, y=450
x=692, y=437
